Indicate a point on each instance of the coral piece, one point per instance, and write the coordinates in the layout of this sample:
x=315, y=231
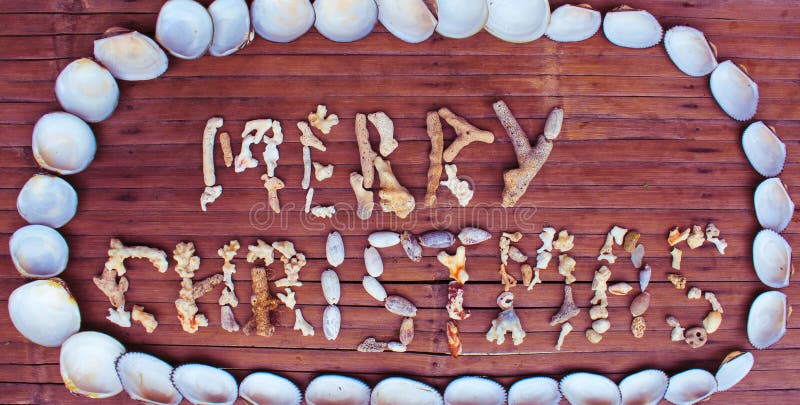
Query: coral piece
x=227, y=319
x=606, y=251
x=546, y=236
x=331, y=322
x=618, y=233
x=205, y=285
x=506, y=322
x=466, y=134
x=111, y=288
x=319, y=120
x=712, y=322
x=271, y=155
x=530, y=276
x=322, y=172
x=598, y=312
x=677, y=280
x=677, y=333
x=263, y=304
x=676, y=236
x=505, y=245
x=566, y=266
x=393, y=196
x=507, y=280
x=396, y=347
x=260, y=251
x=622, y=288
x=228, y=297
x=210, y=194
x=186, y=263
x=455, y=302
x=631, y=240
x=434, y=127
x=385, y=128
x=473, y=236
x=459, y=188
x=301, y=324
x=245, y=160
x=400, y=306
x=119, y=317
x=694, y=293
x=453, y=338
x=697, y=237
x=285, y=248
x=288, y=298
x=600, y=285
x=456, y=264
x=257, y=129
x=568, y=308
x=712, y=233
x=712, y=299
x=308, y=138
x=565, y=241
x=640, y=304
x=406, y=335
x=147, y=319
x=227, y=253
x=364, y=197
x=638, y=326
x=601, y=326
x=593, y=336
x=677, y=256
x=306, y=182
x=323, y=212
x=543, y=260
x=505, y=300
x=119, y=252
x=566, y=328
x=365, y=152
x=514, y=237
x=696, y=337
x=209, y=134
x=188, y=314
x=516, y=255
x=370, y=345
x=411, y=246
x=291, y=266
x=272, y=185
x=309, y=198
x=227, y=151
x=439, y=239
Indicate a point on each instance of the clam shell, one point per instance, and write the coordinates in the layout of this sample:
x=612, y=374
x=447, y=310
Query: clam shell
x=733, y=369
x=766, y=323
x=690, y=386
x=409, y=20
x=345, y=20
x=631, y=28
x=404, y=391
x=334, y=249
x=735, y=92
x=690, y=51
x=774, y=207
x=331, y=288
x=474, y=390
x=588, y=388
x=231, y=20
x=374, y=288
x=184, y=28
x=87, y=90
x=534, y=391
x=282, y=20
x=331, y=322
x=202, y=384
x=147, y=379
x=518, y=20
x=570, y=23
x=63, y=143
x=47, y=200
x=38, y=251
x=262, y=388
x=461, y=18
x=646, y=387
x=373, y=261
x=763, y=149
x=332, y=389
x=87, y=363
x=383, y=239
x=772, y=259
x=473, y=236
x=44, y=312
x=129, y=55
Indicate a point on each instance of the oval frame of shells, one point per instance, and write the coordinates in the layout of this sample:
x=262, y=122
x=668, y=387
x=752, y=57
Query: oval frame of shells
x=88, y=92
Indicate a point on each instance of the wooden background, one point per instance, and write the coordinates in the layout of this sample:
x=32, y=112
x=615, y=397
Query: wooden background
x=643, y=147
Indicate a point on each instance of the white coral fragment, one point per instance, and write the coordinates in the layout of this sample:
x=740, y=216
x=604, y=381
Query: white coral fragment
x=458, y=187
x=618, y=233
x=308, y=138
x=271, y=156
x=712, y=233
x=210, y=194
x=506, y=322
x=245, y=160
x=288, y=298
x=323, y=212
x=712, y=299
x=694, y=293
x=119, y=316
x=319, y=120
x=543, y=260
x=147, y=319
x=227, y=253
x=547, y=235
x=565, y=241
x=309, y=199
x=606, y=251
x=301, y=324
x=260, y=251
x=677, y=256
x=209, y=134
x=566, y=266
x=117, y=253
x=697, y=238
x=322, y=172
x=306, y=168
x=385, y=128
x=566, y=328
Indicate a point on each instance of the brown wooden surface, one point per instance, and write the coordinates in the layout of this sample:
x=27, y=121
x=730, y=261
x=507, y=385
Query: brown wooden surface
x=643, y=147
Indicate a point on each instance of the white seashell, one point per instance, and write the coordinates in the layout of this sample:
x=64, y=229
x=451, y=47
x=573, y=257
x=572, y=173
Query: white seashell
x=734, y=368
x=644, y=277
x=231, y=20
x=409, y=20
x=383, y=239
x=690, y=51
x=637, y=256
x=87, y=363
x=534, y=391
x=586, y=388
x=63, y=143
x=400, y=306
x=345, y=20
x=282, y=20
x=772, y=259
x=766, y=322
x=373, y=261
x=334, y=249
x=518, y=20
x=44, y=312
x=38, y=251
x=337, y=389
x=474, y=390
x=774, y=207
x=461, y=18
x=184, y=28
x=147, y=379
x=690, y=386
x=570, y=23
x=47, y=200
x=87, y=90
x=129, y=55
x=202, y=384
x=262, y=388
x=331, y=322
x=330, y=286
x=735, y=92
x=631, y=28
x=400, y=390
x=374, y=288
x=473, y=236
x=646, y=387
x=763, y=149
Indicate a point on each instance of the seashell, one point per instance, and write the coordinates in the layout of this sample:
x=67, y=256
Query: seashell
x=690, y=386
x=570, y=23
x=406, y=335
x=282, y=20
x=331, y=322
x=763, y=149
x=640, y=304
x=695, y=337
x=147, y=379
x=399, y=390
x=184, y=28
x=734, y=368
x=518, y=20
x=231, y=20
x=474, y=390
x=269, y=389
x=735, y=92
x=87, y=364
x=400, y=306
x=409, y=20
x=644, y=277
x=646, y=387
x=772, y=259
x=712, y=321
x=345, y=20
x=534, y=391
x=766, y=323
x=621, y=288
x=411, y=246
x=374, y=288
x=637, y=256
x=774, y=207
x=129, y=55
x=437, y=239
x=331, y=287
x=587, y=388
x=337, y=389
x=38, y=251
x=47, y=200
x=44, y=312
x=383, y=239
x=473, y=236
x=88, y=90
x=690, y=51
x=334, y=249
x=631, y=28
x=63, y=143
x=202, y=384
x=373, y=261
x=461, y=18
